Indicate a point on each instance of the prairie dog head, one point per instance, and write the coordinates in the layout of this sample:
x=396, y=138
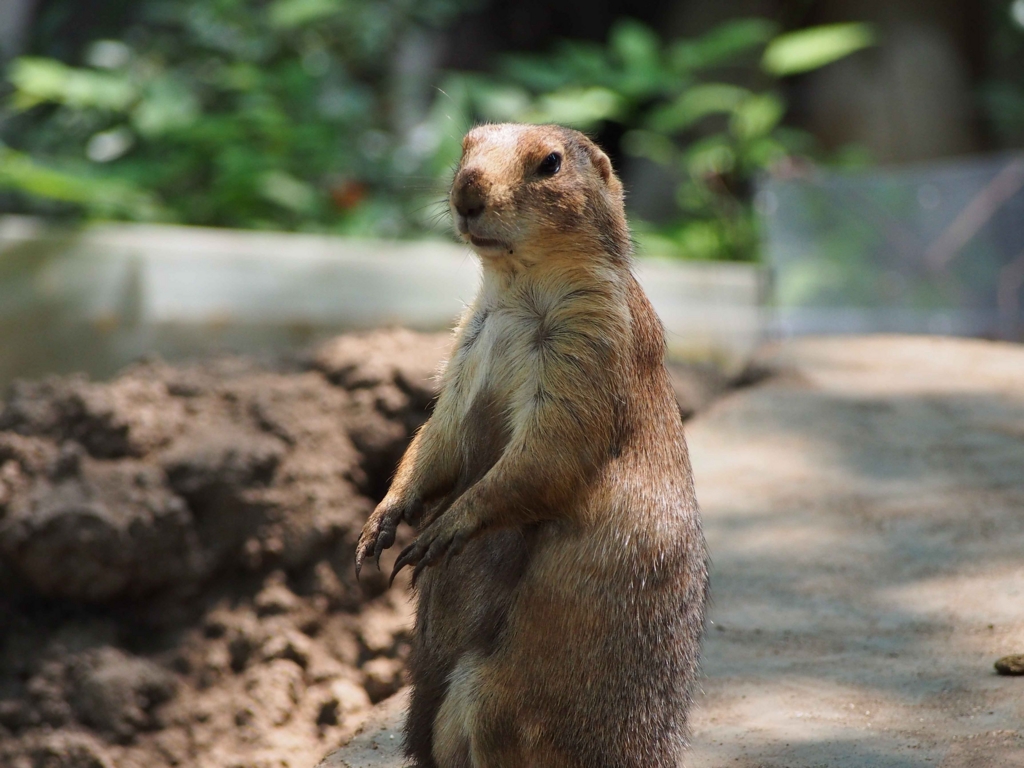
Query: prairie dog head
x=527, y=193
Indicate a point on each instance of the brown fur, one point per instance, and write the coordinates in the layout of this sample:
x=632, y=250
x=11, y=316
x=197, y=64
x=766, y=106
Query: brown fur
x=562, y=569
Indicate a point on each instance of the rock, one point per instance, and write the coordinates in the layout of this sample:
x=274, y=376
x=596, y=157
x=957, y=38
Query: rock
x=1011, y=665
x=378, y=742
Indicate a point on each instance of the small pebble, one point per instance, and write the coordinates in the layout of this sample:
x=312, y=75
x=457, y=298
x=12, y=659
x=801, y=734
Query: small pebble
x=1011, y=665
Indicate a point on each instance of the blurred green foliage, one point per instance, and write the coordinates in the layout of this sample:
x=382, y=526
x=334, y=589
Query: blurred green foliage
x=282, y=115
x=230, y=113
x=707, y=109
x=107, y=198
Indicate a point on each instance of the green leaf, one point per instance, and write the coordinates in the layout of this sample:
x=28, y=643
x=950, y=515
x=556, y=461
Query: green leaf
x=108, y=54
x=635, y=44
x=654, y=146
x=574, y=63
x=721, y=45
x=101, y=197
x=288, y=192
x=639, y=51
x=700, y=240
x=166, y=104
x=692, y=239
x=106, y=146
x=534, y=72
x=289, y=14
x=502, y=103
x=713, y=155
x=240, y=76
x=38, y=81
x=756, y=117
x=762, y=154
x=587, y=63
x=578, y=107
x=695, y=103
x=808, y=49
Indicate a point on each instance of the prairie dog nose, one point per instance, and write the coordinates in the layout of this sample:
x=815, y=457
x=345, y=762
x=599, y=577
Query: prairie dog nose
x=467, y=196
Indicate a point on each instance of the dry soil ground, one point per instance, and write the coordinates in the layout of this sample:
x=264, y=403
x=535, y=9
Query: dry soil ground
x=176, y=548
x=864, y=507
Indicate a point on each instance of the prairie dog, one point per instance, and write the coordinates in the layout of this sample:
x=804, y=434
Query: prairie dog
x=560, y=563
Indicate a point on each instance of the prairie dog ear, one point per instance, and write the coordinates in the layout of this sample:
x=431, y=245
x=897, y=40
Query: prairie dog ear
x=604, y=168
x=599, y=159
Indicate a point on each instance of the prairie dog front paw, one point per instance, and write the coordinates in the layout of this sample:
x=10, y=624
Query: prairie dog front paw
x=380, y=528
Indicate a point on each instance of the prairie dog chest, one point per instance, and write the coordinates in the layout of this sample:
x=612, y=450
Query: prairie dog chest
x=499, y=355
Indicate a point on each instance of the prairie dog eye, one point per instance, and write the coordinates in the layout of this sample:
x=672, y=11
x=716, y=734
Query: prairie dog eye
x=550, y=165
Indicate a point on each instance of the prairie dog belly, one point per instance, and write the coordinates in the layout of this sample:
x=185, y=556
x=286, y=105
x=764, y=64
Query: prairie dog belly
x=467, y=598
x=496, y=359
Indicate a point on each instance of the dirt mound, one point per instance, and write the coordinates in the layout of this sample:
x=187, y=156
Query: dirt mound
x=176, y=555
x=176, y=545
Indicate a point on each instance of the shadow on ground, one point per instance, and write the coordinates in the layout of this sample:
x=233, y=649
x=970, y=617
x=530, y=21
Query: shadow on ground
x=865, y=512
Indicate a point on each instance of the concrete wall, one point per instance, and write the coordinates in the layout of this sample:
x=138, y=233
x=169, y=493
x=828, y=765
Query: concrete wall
x=97, y=298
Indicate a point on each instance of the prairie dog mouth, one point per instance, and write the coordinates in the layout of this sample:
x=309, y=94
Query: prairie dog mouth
x=483, y=242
